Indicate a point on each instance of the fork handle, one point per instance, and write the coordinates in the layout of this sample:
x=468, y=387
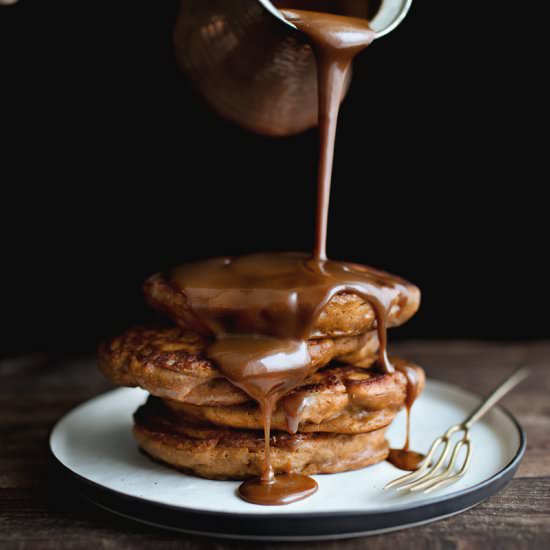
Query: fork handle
x=496, y=395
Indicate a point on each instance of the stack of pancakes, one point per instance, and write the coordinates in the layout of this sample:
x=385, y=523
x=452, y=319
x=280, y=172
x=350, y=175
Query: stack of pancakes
x=197, y=421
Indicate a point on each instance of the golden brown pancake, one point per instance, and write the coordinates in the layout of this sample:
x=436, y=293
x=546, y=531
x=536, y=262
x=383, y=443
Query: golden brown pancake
x=334, y=399
x=347, y=314
x=170, y=363
x=225, y=453
x=349, y=421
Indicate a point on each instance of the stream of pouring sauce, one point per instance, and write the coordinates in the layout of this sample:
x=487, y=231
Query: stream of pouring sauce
x=261, y=308
x=336, y=40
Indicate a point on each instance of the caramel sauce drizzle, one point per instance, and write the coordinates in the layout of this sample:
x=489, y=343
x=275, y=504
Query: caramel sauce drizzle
x=260, y=309
x=405, y=458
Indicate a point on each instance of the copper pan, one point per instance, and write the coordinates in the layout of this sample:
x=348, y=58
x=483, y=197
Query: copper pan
x=255, y=68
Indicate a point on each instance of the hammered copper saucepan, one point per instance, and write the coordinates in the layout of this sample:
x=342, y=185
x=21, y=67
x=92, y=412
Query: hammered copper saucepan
x=254, y=67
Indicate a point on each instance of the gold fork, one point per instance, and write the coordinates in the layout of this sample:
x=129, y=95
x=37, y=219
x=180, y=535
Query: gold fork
x=431, y=476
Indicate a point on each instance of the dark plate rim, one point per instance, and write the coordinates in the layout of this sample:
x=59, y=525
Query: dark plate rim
x=291, y=525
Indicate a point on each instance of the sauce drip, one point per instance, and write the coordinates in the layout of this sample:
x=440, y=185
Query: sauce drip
x=405, y=458
x=260, y=309
x=266, y=369
x=293, y=406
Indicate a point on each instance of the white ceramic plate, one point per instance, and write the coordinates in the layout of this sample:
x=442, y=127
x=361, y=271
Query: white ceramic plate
x=93, y=444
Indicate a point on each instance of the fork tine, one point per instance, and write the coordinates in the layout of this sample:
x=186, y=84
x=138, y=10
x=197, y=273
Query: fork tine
x=442, y=483
x=433, y=481
x=423, y=466
x=458, y=475
x=431, y=471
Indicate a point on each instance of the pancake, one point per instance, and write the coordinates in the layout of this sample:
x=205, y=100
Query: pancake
x=225, y=453
x=349, y=421
x=170, y=363
x=335, y=399
x=346, y=314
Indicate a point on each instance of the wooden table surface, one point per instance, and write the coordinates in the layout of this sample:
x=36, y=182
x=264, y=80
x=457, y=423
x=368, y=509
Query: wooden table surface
x=36, y=511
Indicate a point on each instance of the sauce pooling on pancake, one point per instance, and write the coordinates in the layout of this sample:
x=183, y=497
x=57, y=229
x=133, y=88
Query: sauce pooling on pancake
x=278, y=298
x=261, y=309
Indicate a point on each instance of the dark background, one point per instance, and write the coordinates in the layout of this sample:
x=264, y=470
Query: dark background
x=112, y=169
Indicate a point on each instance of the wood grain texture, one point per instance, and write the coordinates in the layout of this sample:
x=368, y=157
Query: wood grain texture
x=37, y=511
